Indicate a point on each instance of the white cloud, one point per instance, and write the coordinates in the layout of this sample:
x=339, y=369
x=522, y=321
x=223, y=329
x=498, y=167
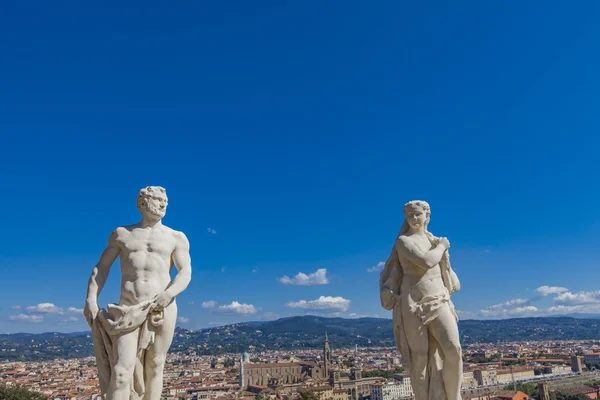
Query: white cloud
x=223, y=269
x=237, y=308
x=377, y=268
x=46, y=308
x=69, y=320
x=355, y=315
x=212, y=231
x=546, y=290
x=466, y=314
x=532, y=311
x=26, y=318
x=209, y=304
x=75, y=310
x=580, y=298
x=323, y=303
x=509, y=303
x=183, y=320
x=316, y=278
x=488, y=313
x=523, y=310
x=563, y=309
x=254, y=270
x=507, y=309
x=269, y=316
x=16, y=307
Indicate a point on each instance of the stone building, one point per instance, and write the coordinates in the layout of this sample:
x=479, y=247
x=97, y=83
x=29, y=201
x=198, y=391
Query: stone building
x=277, y=374
x=515, y=373
x=591, y=358
x=403, y=380
x=385, y=391
x=485, y=377
x=469, y=380
x=577, y=364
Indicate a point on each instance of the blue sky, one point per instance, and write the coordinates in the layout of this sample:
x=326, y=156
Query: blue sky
x=288, y=136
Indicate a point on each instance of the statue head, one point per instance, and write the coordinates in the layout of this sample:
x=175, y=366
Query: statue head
x=152, y=202
x=417, y=214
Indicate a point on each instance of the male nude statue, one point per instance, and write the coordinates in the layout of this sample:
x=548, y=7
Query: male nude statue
x=147, y=311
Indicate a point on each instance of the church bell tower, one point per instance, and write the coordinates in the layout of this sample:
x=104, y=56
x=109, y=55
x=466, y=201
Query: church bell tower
x=326, y=358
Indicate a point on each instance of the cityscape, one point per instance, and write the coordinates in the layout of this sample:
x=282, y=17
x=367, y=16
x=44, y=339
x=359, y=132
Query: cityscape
x=376, y=373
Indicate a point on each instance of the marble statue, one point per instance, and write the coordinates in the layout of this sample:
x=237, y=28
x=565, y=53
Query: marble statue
x=416, y=284
x=131, y=338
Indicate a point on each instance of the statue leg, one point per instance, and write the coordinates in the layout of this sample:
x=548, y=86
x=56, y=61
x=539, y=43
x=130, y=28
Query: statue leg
x=418, y=343
x=125, y=353
x=156, y=355
x=445, y=331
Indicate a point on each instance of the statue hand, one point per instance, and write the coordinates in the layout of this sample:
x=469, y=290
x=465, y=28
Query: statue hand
x=444, y=242
x=90, y=311
x=162, y=300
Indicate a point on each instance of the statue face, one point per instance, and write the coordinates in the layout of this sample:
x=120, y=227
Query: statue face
x=154, y=205
x=415, y=216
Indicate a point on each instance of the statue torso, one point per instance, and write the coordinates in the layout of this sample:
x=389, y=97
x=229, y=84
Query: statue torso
x=145, y=261
x=418, y=281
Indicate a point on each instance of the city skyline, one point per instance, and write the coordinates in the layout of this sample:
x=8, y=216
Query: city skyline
x=288, y=141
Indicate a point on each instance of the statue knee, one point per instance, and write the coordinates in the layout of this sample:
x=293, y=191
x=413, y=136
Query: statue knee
x=122, y=376
x=453, y=352
x=157, y=362
x=419, y=362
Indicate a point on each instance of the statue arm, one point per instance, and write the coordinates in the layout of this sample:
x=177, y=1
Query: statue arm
x=389, y=283
x=101, y=270
x=425, y=260
x=183, y=263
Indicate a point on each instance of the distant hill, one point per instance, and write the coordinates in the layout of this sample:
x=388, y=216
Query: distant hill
x=302, y=332
x=521, y=329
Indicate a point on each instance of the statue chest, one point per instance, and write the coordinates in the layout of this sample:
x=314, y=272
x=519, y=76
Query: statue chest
x=150, y=246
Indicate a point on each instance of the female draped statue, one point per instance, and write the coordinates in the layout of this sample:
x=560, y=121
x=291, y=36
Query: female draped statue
x=416, y=284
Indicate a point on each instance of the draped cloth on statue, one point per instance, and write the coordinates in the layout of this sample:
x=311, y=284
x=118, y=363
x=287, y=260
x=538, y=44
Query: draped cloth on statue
x=117, y=320
x=426, y=309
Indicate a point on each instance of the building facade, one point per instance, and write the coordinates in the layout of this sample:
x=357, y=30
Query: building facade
x=391, y=390
x=485, y=377
x=591, y=358
x=517, y=374
x=469, y=380
x=577, y=364
x=277, y=374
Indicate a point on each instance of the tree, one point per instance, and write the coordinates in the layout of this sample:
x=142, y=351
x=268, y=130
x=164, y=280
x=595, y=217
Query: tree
x=228, y=363
x=378, y=373
x=527, y=388
x=19, y=393
x=564, y=396
x=592, y=366
x=306, y=395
